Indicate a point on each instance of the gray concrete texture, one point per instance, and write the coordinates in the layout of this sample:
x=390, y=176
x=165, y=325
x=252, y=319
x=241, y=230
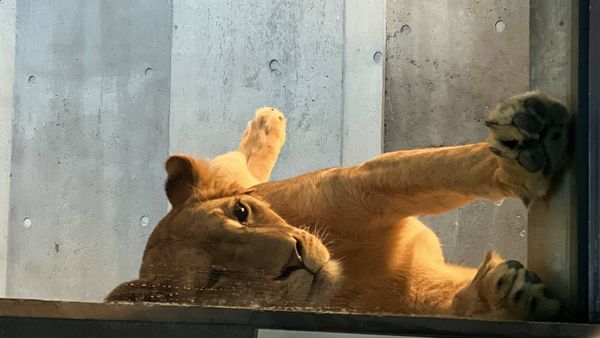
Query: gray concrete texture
x=230, y=57
x=447, y=63
x=7, y=79
x=363, y=80
x=90, y=134
x=552, y=223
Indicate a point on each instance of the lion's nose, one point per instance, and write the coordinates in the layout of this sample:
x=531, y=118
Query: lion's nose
x=296, y=256
x=298, y=251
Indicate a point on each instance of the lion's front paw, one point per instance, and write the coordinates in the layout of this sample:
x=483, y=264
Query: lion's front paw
x=533, y=130
x=513, y=292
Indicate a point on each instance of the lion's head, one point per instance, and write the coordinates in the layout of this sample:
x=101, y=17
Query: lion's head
x=220, y=245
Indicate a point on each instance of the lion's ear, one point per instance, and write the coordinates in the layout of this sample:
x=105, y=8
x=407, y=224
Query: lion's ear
x=182, y=177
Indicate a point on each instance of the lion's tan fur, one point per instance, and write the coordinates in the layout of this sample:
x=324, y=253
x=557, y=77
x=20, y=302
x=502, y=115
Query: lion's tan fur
x=364, y=215
x=392, y=261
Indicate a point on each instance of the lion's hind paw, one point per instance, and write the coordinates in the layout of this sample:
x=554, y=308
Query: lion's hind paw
x=511, y=289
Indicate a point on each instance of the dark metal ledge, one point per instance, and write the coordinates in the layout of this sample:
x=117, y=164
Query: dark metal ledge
x=66, y=319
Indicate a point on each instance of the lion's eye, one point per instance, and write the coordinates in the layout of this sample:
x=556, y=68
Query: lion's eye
x=241, y=212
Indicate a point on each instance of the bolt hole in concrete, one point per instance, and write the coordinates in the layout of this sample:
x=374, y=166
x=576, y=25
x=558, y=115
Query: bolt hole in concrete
x=148, y=72
x=31, y=80
x=27, y=222
x=274, y=65
x=500, y=26
x=405, y=29
x=377, y=57
x=144, y=221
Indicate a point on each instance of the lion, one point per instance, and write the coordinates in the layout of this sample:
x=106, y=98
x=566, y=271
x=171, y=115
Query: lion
x=349, y=238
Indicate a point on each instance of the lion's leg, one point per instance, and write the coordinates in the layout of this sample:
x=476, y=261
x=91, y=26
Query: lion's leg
x=526, y=148
x=262, y=141
x=433, y=281
x=259, y=148
x=498, y=289
x=416, y=278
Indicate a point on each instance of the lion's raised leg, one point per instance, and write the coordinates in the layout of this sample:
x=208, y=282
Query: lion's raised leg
x=262, y=141
x=505, y=290
x=259, y=148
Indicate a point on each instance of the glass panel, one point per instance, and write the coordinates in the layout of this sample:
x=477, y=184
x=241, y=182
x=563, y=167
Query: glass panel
x=447, y=66
x=105, y=92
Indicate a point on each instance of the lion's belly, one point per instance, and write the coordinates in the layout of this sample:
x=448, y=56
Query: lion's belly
x=385, y=269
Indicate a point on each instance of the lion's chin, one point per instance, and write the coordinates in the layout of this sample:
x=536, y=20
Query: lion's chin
x=325, y=284
x=307, y=289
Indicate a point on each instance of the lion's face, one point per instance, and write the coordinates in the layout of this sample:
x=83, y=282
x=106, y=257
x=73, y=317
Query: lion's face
x=220, y=245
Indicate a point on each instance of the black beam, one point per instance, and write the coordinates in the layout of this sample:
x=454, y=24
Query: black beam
x=591, y=96
x=60, y=328
x=71, y=319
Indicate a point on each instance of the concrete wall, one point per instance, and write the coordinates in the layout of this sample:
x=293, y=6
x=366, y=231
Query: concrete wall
x=363, y=80
x=552, y=223
x=447, y=63
x=90, y=134
x=7, y=79
x=231, y=57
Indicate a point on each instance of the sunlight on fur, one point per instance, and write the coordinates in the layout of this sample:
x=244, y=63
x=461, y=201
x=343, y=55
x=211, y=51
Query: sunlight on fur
x=348, y=238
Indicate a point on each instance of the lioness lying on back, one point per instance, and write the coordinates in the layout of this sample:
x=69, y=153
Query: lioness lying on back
x=232, y=238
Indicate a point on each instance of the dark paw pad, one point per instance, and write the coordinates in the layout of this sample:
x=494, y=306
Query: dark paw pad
x=512, y=264
x=535, y=106
x=527, y=123
x=532, y=278
x=532, y=159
